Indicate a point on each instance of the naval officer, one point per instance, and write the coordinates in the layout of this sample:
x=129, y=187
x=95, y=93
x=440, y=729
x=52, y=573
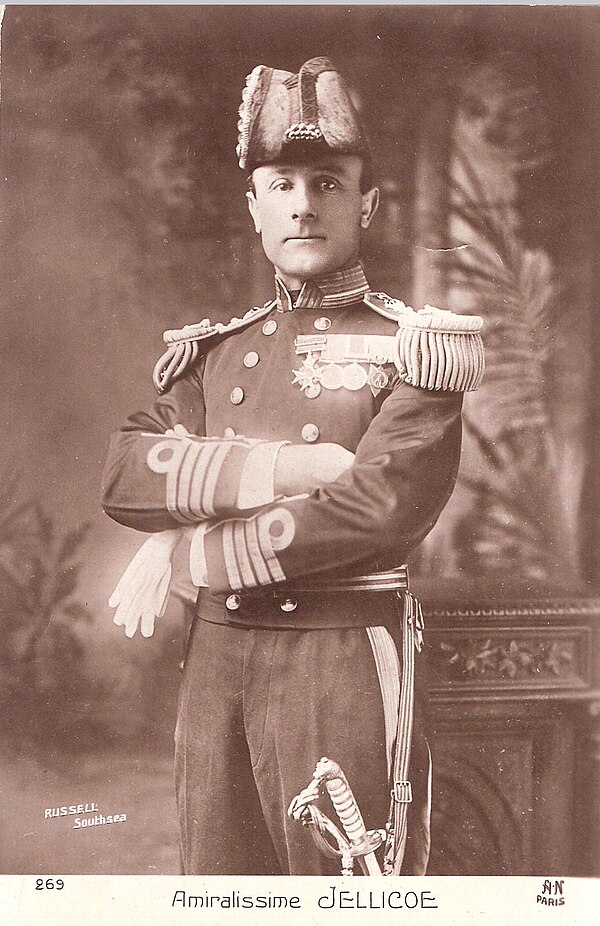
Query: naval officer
x=306, y=448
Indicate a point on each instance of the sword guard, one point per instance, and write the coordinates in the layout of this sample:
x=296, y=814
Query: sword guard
x=356, y=842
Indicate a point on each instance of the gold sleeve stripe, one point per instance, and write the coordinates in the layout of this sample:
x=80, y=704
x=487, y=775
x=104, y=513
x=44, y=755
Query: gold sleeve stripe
x=258, y=560
x=276, y=529
x=264, y=539
x=174, y=488
x=198, y=484
x=184, y=478
x=197, y=481
x=242, y=551
x=214, y=468
x=233, y=576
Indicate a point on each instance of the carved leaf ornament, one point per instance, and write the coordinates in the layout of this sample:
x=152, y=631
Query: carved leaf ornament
x=506, y=659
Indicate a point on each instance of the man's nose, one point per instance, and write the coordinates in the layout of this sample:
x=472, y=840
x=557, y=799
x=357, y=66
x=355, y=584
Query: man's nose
x=303, y=205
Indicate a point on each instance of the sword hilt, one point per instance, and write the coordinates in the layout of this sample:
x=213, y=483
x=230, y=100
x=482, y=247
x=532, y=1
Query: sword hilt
x=343, y=800
x=362, y=843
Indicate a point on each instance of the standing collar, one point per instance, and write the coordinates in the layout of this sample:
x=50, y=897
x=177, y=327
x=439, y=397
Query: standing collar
x=334, y=290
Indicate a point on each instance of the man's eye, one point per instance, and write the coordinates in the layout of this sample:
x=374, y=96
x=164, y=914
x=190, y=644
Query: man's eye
x=281, y=185
x=329, y=185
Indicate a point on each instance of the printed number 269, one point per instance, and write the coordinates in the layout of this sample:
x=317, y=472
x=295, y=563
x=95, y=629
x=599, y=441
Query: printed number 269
x=49, y=884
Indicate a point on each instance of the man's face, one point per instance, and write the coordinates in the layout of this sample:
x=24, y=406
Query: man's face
x=310, y=215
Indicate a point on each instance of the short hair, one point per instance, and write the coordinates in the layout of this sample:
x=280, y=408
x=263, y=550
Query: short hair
x=300, y=154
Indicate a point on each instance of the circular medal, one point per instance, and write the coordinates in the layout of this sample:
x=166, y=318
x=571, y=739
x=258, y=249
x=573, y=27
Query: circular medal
x=312, y=390
x=355, y=377
x=332, y=376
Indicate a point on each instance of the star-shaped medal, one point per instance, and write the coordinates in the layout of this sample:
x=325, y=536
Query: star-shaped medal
x=309, y=374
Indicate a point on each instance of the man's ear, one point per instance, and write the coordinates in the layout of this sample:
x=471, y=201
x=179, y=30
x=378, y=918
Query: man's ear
x=253, y=207
x=370, y=202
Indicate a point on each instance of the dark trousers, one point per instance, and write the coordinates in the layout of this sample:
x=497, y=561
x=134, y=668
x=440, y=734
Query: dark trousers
x=257, y=709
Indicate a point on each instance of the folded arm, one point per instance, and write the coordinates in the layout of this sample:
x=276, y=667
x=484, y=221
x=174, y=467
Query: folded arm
x=163, y=472
x=375, y=512
x=373, y=508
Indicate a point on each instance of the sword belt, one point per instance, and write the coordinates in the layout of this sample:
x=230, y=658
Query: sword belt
x=398, y=690
x=353, y=601
x=393, y=579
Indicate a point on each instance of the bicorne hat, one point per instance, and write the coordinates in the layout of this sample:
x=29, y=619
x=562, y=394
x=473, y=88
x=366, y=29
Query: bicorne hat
x=280, y=108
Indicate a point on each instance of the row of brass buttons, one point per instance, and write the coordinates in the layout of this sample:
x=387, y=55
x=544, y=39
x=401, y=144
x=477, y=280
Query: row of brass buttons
x=321, y=324
x=310, y=432
x=252, y=358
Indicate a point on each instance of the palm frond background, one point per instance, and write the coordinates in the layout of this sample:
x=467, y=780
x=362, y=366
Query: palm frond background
x=513, y=521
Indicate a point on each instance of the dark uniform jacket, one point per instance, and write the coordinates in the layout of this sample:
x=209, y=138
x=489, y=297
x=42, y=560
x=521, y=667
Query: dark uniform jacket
x=320, y=368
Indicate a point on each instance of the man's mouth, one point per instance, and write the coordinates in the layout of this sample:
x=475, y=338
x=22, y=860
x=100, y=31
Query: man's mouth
x=305, y=238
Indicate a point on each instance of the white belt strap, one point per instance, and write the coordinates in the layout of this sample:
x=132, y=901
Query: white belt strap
x=397, y=690
x=388, y=671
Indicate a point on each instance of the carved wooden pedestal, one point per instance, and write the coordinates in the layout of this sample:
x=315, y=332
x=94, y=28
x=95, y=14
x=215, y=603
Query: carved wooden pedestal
x=515, y=711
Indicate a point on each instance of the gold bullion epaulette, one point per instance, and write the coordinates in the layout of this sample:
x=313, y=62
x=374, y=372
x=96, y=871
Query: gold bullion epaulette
x=434, y=348
x=184, y=344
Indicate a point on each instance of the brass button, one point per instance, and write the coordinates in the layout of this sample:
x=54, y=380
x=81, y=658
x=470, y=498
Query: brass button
x=251, y=359
x=290, y=604
x=233, y=602
x=228, y=433
x=270, y=326
x=237, y=395
x=323, y=323
x=310, y=433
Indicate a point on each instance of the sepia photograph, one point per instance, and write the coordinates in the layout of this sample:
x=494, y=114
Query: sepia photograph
x=299, y=534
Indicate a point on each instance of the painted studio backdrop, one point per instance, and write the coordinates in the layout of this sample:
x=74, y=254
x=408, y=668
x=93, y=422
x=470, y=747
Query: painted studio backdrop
x=124, y=214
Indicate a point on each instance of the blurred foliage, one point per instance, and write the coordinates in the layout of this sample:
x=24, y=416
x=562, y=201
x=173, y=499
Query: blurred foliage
x=46, y=691
x=514, y=526
x=59, y=686
x=504, y=107
x=514, y=286
x=145, y=140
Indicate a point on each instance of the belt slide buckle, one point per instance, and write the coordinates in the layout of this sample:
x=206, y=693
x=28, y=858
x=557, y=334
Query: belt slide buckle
x=402, y=792
x=419, y=626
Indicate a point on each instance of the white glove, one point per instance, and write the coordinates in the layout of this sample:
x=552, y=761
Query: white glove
x=143, y=590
